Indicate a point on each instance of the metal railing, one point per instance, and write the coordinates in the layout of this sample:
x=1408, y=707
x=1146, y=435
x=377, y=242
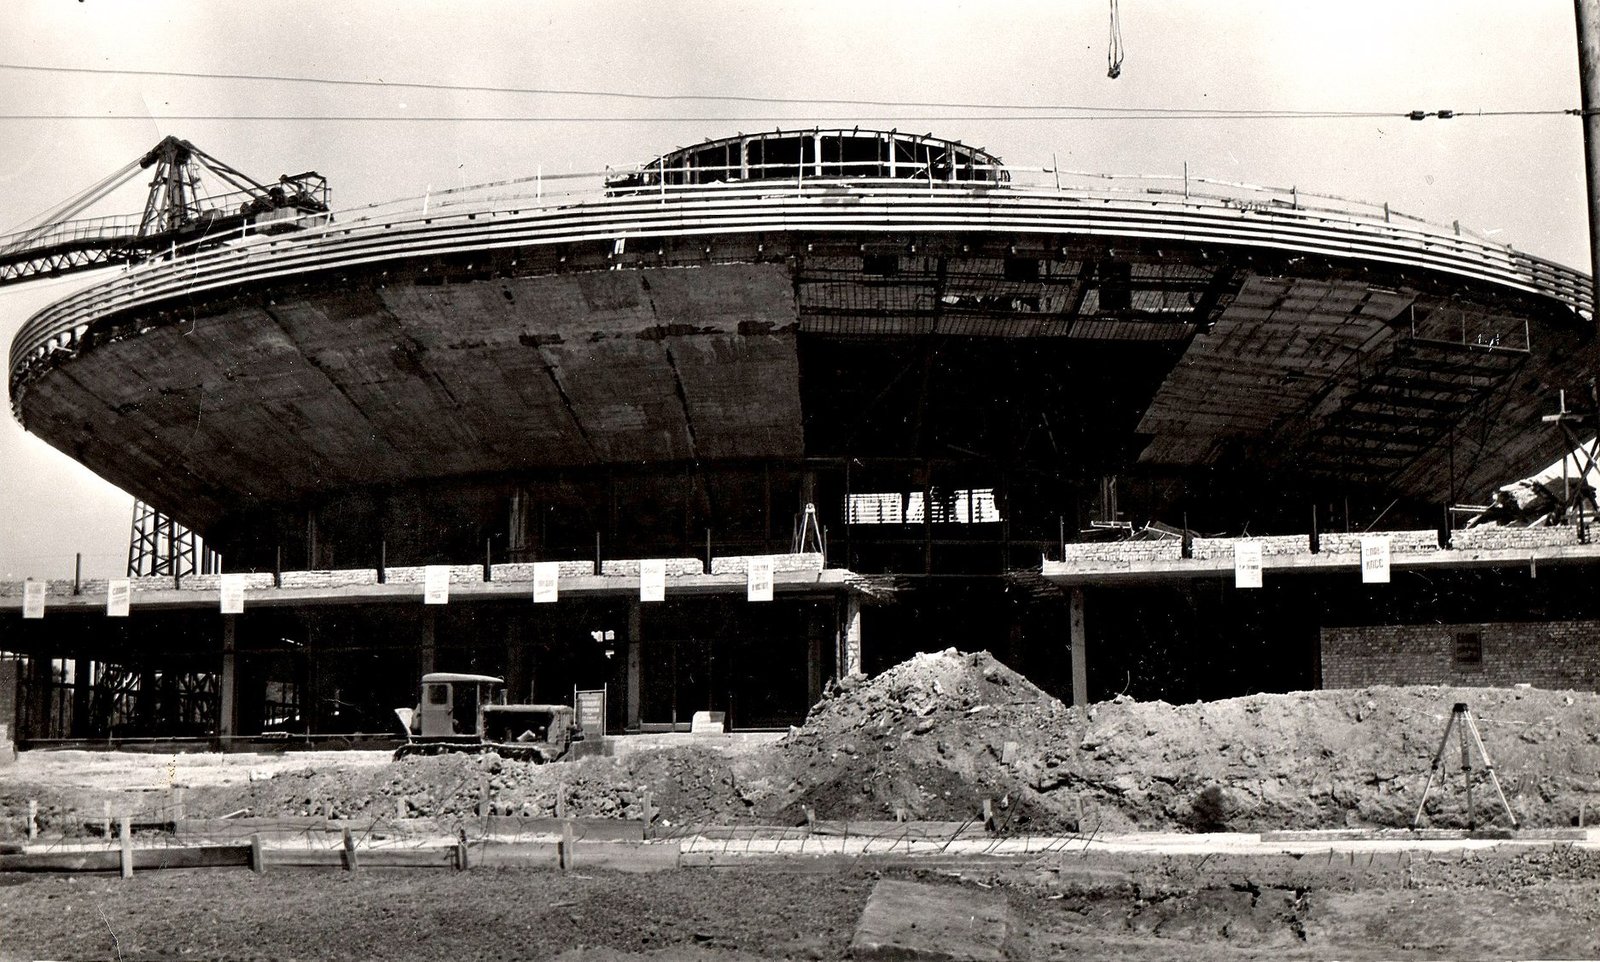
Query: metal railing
x=523, y=212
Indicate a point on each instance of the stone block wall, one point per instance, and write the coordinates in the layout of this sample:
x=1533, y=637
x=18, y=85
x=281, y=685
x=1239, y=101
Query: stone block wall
x=1554, y=655
x=348, y=578
x=1491, y=538
x=1407, y=542
x=1111, y=554
x=629, y=567
x=740, y=564
x=523, y=570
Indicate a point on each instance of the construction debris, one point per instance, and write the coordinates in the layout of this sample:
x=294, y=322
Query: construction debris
x=961, y=738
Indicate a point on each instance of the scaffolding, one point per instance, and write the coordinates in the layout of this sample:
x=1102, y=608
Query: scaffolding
x=161, y=547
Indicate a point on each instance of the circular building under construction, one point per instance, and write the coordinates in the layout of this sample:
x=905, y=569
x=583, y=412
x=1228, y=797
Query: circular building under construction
x=886, y=350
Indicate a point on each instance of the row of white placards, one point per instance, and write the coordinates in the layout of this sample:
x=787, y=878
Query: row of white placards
x=1375, y=552
x=435, y=587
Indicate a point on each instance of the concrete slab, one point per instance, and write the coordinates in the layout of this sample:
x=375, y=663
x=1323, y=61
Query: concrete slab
x=914, y=921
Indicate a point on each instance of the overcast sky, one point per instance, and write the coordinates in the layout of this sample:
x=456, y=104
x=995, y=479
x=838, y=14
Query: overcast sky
x=1518, y=178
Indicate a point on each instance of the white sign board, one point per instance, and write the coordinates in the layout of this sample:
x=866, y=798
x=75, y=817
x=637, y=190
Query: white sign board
x=436, y=584
x=758, y=579
x=33, y=599
x=1375, y=559
x=546, y=582
x=653, y=579
x=232, y=592
x=1247, y=564
x=119, y=594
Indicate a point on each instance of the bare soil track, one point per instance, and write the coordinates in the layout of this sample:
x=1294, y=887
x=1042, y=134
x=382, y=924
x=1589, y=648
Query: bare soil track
x=929, y=739
x=1456, y=906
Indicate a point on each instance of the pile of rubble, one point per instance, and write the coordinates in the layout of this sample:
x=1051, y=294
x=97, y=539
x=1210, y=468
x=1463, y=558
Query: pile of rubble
x=930, y=738
x=679, y=784
x=938, y=734
x=941, y=734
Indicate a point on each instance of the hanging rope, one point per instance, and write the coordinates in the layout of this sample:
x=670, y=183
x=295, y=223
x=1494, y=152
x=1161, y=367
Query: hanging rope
x=1114, y=53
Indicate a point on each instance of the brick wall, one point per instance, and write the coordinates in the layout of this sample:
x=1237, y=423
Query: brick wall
x=1553, y=655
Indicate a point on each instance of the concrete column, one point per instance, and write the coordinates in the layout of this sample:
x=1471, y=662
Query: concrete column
x=635, y=640
x=1080, y=673
x=40, y=699
x=816, y=628
x=425, y=643
x=228, y=682
x=850, y=637
x=82, y=690
x=516, y=661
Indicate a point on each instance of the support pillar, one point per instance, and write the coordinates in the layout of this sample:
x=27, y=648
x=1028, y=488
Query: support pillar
x=516, y=662
x=635, y=655
x=850, y=637
x=228, y=680
x=425, y=644
x=82, y=689
x=40, y=698
x=1080, y=673
x=816, y=628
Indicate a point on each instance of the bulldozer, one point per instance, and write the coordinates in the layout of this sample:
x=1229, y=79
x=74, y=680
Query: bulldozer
x=469, y=713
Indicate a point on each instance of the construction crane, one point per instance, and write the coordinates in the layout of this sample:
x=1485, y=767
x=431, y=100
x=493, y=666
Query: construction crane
x=179, y=214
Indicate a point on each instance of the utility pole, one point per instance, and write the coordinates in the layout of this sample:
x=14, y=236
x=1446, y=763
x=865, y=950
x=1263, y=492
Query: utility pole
x=1588, y=16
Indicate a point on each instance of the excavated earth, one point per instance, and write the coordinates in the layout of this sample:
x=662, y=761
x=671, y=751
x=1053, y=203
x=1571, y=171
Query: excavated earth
x=929, y=739
x=935, y=736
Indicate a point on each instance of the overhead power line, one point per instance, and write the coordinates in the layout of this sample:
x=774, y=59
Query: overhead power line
x=804, y=121
x=1119, y=113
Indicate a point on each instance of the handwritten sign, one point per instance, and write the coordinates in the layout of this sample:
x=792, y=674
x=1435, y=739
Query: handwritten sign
x=33, y=599
x=758, y=579
x=119, y=595
x=1375, y=559
x=232, y=594
x=546, y=582
x=1247, y=564
x=436, y=584
x=653, y=579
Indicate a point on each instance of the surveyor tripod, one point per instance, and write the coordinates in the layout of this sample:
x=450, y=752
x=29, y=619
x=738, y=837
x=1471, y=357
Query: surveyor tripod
x=1461, y=722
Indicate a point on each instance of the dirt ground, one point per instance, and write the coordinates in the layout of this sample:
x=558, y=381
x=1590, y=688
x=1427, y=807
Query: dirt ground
x=1464, y=906
x=929, y=739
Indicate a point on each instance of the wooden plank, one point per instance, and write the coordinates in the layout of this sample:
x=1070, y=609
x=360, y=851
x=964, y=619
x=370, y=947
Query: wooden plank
x=834, y=862
x=624, y=856
x=281, y=825
x=108, y=860
x=433, y=856
x=143, y=859
x=599, y=829
x=888, y=829
x=524, y=854
x=126, y=847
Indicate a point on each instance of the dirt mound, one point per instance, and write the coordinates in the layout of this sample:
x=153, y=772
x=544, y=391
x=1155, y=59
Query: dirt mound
x=684, y=785
x=935, y=735
x=929, y=739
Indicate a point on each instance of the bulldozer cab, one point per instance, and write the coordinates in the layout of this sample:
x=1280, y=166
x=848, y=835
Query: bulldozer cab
x=450, y=703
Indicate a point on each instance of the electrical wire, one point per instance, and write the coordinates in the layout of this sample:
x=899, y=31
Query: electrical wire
x=1116, y=59
x=801, y=120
